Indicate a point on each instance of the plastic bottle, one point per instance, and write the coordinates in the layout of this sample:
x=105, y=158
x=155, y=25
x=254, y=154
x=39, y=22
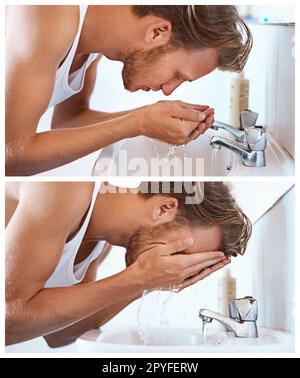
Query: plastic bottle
x=227, y=292
x=239, y=98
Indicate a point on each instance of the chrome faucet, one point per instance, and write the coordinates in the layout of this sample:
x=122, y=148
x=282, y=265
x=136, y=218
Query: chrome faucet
x=238, y=134
x=242, y=318
x=254, y=155
x=247, y=119
x=255, y=137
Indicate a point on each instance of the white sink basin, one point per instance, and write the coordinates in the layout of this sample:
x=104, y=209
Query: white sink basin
x=142, y=156
x=169, y=340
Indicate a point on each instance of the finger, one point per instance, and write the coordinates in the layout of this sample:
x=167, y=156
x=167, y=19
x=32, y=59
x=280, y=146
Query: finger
x=187, y=105
x=209, y=121
x=189, y=260
x=203, y=274
x=176, y=246
x=188, y=114
x=213, y=268
x=189, y=282
x=195, y=269
x=198, y=131
x=186, y=128
x=194, y=135
x=201, y=128
x=209, y=111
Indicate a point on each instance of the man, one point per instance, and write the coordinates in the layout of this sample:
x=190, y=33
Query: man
x=55, y=242
x=51, y=60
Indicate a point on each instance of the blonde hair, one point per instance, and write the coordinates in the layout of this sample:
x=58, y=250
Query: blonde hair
x=206, y=26
x=217, y=208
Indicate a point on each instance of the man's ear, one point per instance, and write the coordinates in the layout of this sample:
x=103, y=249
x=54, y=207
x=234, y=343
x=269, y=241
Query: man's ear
x=158, y=33
x=165, y=210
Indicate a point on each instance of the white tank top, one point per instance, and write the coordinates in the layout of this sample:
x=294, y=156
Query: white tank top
x=67, y=85
x=66, y=273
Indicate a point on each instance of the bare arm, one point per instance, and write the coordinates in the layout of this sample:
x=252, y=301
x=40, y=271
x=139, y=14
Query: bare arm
x=76, y=112
x=34, y=241
x=70, y=334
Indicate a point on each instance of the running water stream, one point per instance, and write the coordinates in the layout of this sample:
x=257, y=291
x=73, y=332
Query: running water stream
x=157, y=314
x=204, y=331
x=214, y=156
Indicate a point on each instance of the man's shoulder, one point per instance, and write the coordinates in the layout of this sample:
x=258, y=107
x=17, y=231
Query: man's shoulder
x=50, y=28
x=57, y=198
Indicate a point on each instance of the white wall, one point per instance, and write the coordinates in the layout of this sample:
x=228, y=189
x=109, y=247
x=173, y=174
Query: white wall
x=271, y=71
x=273, y=265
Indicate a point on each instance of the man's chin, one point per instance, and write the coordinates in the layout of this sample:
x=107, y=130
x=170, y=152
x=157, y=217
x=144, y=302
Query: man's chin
x=133, y=88
x=129, y=88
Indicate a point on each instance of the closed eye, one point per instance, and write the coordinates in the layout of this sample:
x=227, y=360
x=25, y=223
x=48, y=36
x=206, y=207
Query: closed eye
x=180, y=77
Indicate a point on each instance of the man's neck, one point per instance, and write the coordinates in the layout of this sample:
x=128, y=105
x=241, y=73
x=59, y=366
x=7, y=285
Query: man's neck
x=105, y=223
x=107, y=30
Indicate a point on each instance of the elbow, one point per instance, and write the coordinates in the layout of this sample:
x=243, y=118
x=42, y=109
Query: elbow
x=13, y=325
x=54, y=341
x=14, y=160
x=17, y=159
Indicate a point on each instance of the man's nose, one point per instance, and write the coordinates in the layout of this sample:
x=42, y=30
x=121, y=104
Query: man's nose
x=170, y=88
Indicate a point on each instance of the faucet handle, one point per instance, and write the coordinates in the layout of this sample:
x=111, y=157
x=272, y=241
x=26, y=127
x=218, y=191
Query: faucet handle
x=244, y=309
x=256, y=137
x=248, y=118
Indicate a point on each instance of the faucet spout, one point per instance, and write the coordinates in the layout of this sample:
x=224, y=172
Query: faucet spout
x=238, y=134
x=250, y=158
x=240, y=328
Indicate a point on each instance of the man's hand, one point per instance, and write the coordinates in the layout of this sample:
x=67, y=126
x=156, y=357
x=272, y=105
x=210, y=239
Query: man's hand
x=174, y=122
x=164, y=266
x=203, y=274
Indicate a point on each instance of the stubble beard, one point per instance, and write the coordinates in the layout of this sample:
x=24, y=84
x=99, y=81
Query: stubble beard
x=137, y=63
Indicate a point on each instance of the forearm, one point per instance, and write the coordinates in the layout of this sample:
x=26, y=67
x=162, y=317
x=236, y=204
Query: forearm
x=67, y=118
x=50, y=149
x=70, y=334
x=53, y=309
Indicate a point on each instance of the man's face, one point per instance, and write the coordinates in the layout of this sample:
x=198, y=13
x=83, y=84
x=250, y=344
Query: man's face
x=166, y=68
x=206, y=239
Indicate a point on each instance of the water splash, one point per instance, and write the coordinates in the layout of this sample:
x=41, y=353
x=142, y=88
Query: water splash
x=154, y=147
x=164, y=321
x=142, y=328
x=184, y=146
x=157, y=315
x=171, y=151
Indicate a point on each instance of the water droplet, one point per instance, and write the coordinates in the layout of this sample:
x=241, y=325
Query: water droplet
x=172, y=150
